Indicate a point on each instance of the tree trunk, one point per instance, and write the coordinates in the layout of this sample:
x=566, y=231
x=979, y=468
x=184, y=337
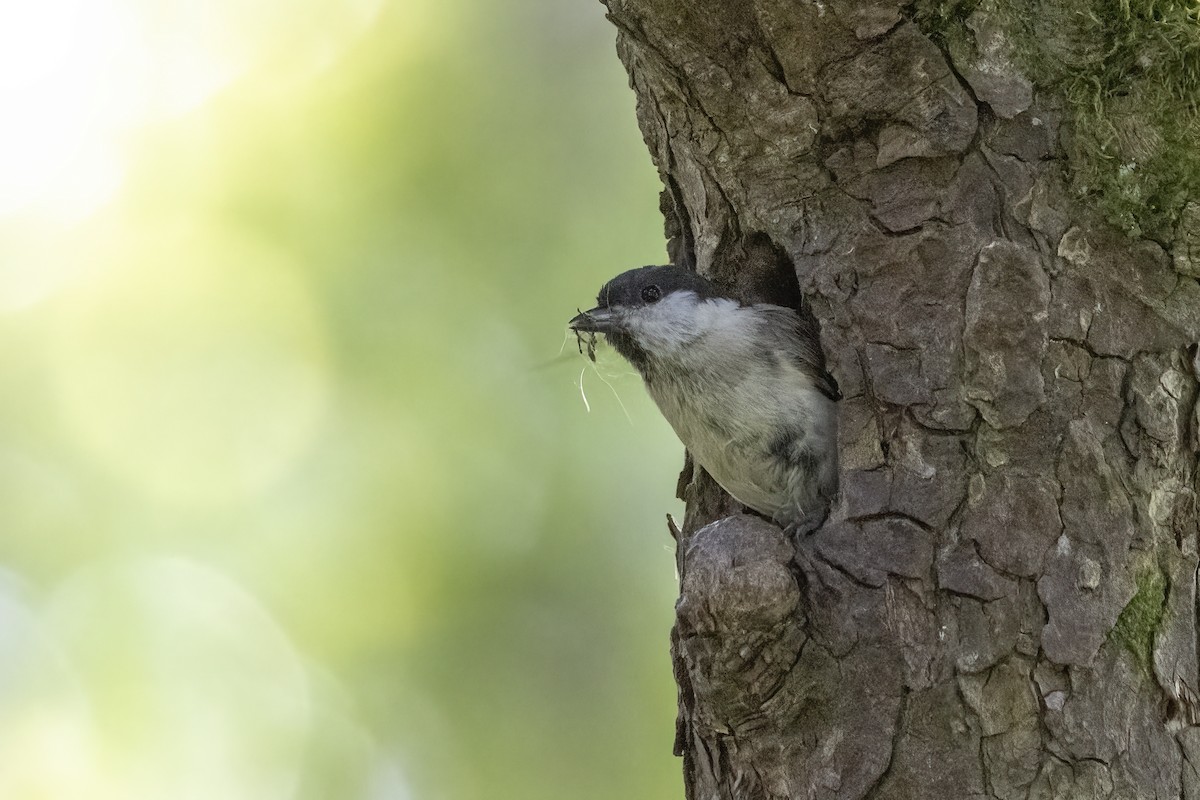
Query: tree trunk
x=1003, y=602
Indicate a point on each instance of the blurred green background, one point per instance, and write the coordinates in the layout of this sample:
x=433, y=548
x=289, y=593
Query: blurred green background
x=299, y=494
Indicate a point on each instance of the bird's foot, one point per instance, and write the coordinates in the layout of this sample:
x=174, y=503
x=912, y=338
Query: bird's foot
x=806, y=525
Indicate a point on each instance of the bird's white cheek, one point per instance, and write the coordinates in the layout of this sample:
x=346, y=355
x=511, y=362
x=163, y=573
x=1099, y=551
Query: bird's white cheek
x=666, y=326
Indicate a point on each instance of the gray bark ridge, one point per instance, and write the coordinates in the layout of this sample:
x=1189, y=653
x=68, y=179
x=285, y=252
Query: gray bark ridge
x=1003, y=602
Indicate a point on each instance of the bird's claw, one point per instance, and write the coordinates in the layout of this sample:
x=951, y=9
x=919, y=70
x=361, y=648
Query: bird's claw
x=806, y=525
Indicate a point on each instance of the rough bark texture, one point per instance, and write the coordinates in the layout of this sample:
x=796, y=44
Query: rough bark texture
x=1003, y=602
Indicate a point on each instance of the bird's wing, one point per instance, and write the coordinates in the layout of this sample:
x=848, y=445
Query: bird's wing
x=802, y=343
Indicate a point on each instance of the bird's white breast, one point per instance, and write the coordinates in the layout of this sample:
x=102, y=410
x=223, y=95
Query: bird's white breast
x=726, y=395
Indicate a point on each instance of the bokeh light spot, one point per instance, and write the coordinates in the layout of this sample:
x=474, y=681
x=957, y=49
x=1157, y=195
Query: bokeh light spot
x=193, y=689
x=194, y=364
x=45, y=747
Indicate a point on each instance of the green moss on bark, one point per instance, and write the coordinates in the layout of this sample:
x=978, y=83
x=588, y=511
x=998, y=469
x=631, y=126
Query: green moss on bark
x=1141, y=617
x=1129, y=71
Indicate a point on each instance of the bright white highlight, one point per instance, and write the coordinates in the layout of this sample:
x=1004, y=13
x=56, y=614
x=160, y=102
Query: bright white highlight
x=61, y=105
x=77, y=77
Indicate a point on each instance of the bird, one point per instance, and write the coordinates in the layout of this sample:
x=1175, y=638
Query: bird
x=744, y=385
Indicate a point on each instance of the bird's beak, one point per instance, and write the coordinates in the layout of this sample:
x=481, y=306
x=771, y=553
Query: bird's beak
x=596, y=320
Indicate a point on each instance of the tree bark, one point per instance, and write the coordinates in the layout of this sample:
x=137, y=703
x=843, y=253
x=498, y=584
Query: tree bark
x=1002, y=603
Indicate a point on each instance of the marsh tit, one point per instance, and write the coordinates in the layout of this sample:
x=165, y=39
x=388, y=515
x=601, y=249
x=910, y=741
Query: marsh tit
x=744, y=385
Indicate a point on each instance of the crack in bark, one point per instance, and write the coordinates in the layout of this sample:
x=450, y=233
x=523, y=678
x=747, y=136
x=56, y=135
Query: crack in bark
x=898, y=732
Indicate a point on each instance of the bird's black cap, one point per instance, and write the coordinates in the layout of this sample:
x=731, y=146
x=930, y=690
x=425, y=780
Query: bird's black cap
x=627, y=288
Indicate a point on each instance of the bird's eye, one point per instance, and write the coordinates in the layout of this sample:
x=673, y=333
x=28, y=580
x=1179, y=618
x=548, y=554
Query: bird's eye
x=651, y=294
